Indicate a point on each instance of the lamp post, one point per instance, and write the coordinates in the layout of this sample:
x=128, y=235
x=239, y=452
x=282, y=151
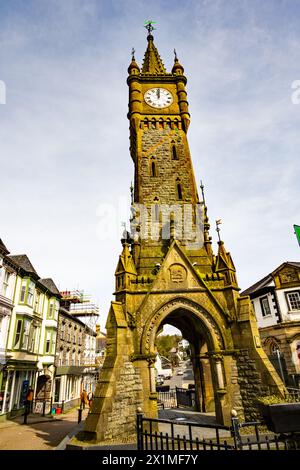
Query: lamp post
x=280, y=364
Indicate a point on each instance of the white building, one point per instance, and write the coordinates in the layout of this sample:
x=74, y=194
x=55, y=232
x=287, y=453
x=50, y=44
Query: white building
x=276, y=302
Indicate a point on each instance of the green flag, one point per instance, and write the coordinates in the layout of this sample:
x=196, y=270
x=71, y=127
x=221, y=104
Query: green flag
x=297, y=232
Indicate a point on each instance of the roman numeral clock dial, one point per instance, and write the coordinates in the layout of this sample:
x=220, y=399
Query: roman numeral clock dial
x=158, y=97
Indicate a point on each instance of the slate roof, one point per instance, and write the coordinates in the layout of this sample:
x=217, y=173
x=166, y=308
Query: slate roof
x=258, y=285
x=3, y=248
x=24, y=263
x=50, y=285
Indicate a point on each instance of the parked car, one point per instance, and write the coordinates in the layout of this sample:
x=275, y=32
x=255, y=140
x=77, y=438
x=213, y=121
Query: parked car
x=159, y=380
x=180, y=372
x=166, y=373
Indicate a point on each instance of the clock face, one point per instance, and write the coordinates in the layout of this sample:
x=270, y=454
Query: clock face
x=158, y=97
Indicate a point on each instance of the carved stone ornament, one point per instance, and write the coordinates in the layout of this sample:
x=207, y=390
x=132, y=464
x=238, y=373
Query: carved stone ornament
x=178, y=273
x=288, y=275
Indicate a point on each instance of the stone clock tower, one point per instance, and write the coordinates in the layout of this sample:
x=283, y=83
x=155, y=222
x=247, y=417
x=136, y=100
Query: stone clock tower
x=168, y=274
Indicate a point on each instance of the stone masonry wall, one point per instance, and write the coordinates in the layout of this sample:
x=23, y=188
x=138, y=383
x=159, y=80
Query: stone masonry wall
x=157, y=147
x=249, y=380
x=122, y=420
x=237, y=403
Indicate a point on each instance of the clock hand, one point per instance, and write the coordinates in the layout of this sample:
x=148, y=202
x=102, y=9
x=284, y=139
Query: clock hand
x=158, y=93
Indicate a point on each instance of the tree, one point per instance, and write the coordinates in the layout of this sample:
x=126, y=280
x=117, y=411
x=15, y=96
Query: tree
x=164, y=344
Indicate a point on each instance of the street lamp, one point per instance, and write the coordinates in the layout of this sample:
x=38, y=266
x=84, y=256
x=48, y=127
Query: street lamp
x=277, y=351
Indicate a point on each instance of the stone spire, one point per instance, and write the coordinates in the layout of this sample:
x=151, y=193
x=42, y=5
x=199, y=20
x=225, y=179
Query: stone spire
x=224, y=263
x=206, y=224
x=177, y=67
x=152, y=62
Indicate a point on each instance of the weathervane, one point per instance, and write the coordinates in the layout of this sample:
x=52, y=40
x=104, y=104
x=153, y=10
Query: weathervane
x=149, y=26
x=175, y=53
x=132, y=53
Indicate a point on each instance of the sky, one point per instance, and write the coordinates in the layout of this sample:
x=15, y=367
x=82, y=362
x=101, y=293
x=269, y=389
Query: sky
x=64, y=148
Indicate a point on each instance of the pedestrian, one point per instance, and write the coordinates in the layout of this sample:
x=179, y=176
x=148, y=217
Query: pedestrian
x=83, y=399
x=90, y=398
x=29, y=400
x=28, y=403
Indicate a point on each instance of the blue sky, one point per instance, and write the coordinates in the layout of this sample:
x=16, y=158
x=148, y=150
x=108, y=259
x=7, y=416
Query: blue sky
x=64, y=131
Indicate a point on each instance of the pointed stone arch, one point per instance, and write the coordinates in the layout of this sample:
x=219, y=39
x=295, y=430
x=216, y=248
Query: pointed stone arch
x=211, y=330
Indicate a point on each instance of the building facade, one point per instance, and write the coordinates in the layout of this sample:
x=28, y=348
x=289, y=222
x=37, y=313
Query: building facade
x=276, y=302
x=76, y=367
x=8, y=272
x=69, y=359
x=31, y=335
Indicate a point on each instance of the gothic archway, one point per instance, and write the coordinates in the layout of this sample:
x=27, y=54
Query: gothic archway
x=202, y=332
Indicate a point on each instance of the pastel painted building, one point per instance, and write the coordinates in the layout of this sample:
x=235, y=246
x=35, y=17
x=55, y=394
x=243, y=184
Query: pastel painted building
x=31, y=336
x=8, y=272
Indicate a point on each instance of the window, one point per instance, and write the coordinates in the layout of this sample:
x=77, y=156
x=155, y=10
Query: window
x=174, y=153
x=48, y=341
x=23, y=291
x=30, y=293
x=5, y=282
x=37, y=339
x=53, y=342
x=61, y=358
x=25, y=338
x=51, y=308
x=38, y=302
x=265, y=307
x=179, y=192
x=153, y=169
x=18, y=334
x=32, y=337
x=67, y=358
x=56, y=309
x=62, y=332
x=294, y=300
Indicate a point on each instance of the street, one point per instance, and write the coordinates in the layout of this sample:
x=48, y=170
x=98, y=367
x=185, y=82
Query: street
x=181, y=381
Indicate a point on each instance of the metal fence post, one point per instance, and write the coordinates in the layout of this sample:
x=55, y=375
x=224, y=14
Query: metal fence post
x=235, y=429
x=139, y=428
x=62, y=405
x=79, y=415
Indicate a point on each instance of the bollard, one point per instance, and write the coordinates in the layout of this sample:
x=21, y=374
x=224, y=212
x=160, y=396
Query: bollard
x=139, y=428
x=26, y=412
x=44, y=408
x=79, y=415
x=235, y=430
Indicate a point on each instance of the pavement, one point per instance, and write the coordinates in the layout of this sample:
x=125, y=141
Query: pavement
x=40, y=433
x=55, y=432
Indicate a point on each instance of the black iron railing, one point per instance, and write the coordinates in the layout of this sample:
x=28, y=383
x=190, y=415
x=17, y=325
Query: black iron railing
x=162, y=434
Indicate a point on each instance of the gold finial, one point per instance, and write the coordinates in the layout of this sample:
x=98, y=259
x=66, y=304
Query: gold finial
x=175, y=54
x=132, y=53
